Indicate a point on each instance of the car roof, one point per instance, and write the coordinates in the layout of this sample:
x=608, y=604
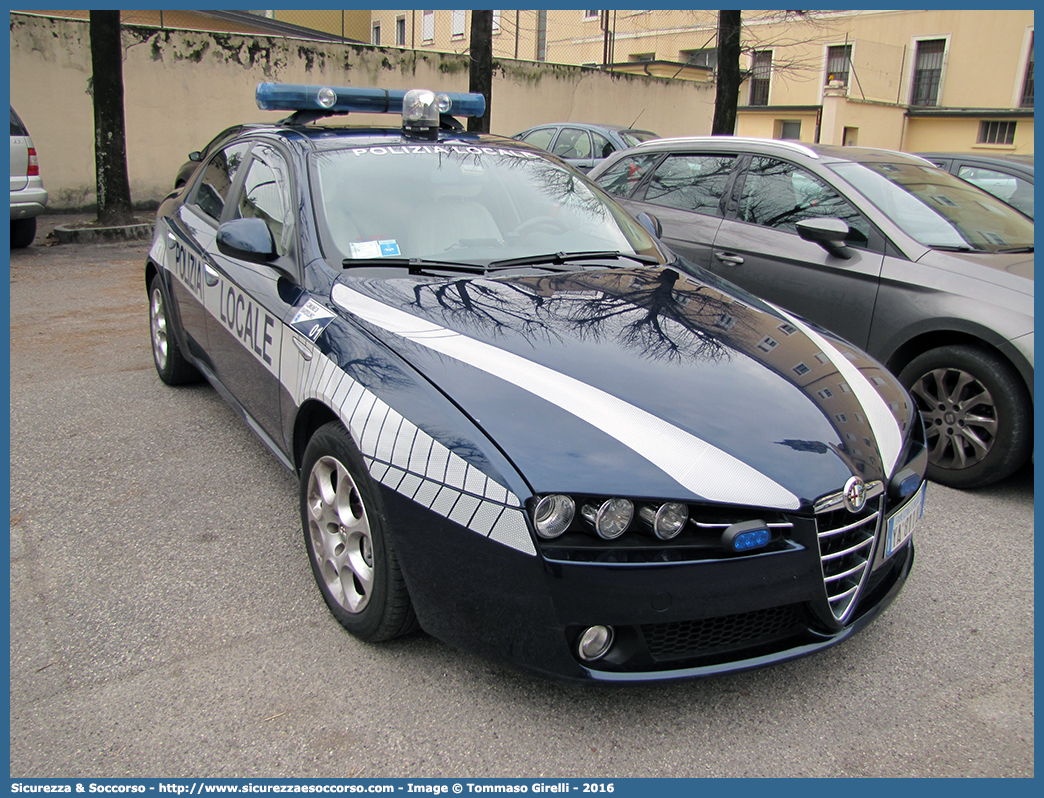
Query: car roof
x=590, y=126
x=822, y=152
x=325, y=137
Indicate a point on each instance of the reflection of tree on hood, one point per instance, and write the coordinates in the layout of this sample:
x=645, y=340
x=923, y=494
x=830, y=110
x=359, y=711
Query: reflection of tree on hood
x=657, y=312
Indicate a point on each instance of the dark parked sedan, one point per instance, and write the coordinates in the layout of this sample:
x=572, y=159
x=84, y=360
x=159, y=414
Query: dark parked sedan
x=516, y=420
x=929, y=274
x=581, y=145
x=1009, y=177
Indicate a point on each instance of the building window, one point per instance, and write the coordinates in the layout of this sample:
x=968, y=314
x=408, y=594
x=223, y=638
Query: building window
x=767, y=344
x=789, y=129
x=1027, y=87
x=400, y=31
x=996, y=132
x=591, y=14
x=641, y=58
x=707, y=57
x=801, y=369
x=458, y=23
x=760, y=76
x=496, y=21
x=850, y=137
x=838, y=59
x=375, y=35
x=428, y=26
x=928, y=72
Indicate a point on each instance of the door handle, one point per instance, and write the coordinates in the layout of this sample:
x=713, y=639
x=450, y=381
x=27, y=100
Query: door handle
x=305, y=350
x=729, y=259
x=210, y=275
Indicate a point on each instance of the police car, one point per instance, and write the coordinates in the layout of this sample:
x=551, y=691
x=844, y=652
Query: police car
x=521, y=424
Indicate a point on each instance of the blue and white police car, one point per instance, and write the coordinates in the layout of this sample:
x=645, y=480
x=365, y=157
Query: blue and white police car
x=520, y=423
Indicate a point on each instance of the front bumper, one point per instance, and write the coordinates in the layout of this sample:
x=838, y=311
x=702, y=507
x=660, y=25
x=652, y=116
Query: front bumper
x=671, y=620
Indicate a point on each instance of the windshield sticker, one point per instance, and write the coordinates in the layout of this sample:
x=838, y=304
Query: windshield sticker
x=387, y=248
x=311, y=319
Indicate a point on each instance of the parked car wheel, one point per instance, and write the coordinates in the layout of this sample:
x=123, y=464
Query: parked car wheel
x=171, y=365
x=976, y=415
x=23, y=231
x=345, y=533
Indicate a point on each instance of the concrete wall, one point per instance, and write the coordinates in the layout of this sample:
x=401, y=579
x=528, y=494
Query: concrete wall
x=183, y=87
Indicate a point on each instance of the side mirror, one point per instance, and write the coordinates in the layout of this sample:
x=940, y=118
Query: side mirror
x=650, y=223
x=829, y=233
x=196, y=155
x=246, y=239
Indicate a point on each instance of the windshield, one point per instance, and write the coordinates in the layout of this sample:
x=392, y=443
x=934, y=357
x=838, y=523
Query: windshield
x=636, y=137
x=464, y=204
x=937, y=209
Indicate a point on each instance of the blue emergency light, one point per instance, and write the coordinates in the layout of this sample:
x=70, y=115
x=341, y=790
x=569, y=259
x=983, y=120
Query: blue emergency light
x=345, y=99
x=746, y=536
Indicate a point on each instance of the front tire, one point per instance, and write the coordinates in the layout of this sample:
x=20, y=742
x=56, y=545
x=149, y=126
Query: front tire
x=171, y=364
x=977, y=415
x=345, y=530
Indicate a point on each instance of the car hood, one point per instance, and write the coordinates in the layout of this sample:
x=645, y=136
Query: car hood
x=643, y=383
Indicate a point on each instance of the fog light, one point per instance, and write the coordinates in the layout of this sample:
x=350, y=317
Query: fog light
x=666, y=521
x=553, y=515
x=595, y=642
x=611, y=518
x=747, y=536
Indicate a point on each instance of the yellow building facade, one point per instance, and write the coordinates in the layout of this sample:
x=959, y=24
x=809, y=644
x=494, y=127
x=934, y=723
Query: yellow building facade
x=921, y=80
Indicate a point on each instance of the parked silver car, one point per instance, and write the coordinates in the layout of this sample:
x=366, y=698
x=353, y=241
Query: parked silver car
x=28, y=196
x=928, y=273
x=582, y=145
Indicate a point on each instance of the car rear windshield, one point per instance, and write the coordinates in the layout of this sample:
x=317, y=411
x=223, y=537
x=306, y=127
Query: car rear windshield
x=463, y=203
x=17, y=128
x=937, y=209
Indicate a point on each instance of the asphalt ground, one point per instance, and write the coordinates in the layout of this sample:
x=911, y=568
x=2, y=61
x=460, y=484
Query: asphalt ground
x=164, y=621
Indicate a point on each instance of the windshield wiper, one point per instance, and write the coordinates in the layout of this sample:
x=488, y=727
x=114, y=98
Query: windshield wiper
x=560, y=258
x=957, y=248
x=415, y=265
x=1017, y=249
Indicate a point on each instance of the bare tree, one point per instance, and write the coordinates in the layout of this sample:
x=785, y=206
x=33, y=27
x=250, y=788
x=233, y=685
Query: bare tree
x=481, y=73
x=726, y=97
x=732, y=45
x=110, y=139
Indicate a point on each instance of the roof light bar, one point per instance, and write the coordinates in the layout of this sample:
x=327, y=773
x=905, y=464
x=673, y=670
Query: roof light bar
x=345, y=99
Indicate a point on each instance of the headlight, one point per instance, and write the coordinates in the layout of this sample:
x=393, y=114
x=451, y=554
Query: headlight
x=611, y=518
x=665, y=521
x=553, y=515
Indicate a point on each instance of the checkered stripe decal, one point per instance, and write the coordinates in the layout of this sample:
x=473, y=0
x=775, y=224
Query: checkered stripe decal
x=406, y=459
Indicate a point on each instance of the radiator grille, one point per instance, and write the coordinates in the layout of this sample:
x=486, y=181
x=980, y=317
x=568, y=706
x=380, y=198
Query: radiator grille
x=846, y=545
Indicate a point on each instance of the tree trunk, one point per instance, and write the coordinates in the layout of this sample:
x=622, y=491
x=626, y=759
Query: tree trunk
x=481, y=72
x=110, y=140
x=726, y=98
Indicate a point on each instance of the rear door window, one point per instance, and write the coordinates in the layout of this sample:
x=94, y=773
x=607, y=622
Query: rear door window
x=218, y=177
x=696, y=183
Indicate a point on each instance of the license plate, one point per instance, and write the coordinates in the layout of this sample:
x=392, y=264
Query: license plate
x=902, y=522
